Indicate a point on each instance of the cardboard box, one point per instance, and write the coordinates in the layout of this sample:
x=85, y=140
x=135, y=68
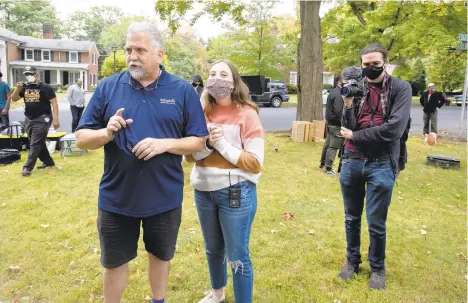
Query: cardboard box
x=319, y=129
x=301, y=131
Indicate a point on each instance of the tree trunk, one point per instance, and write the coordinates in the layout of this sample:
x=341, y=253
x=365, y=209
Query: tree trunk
x=309, y=64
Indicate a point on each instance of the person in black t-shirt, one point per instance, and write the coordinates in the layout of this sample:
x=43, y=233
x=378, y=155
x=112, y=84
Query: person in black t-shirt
x=38, y=97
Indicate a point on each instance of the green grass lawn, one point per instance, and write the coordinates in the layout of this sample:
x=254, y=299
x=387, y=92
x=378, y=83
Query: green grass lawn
x=48, y=229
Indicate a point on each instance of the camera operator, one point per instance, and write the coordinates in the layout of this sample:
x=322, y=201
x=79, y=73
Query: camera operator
x=376, y=117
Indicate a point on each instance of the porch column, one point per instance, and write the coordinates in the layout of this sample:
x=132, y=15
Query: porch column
x=59, y=81
x=85, y=82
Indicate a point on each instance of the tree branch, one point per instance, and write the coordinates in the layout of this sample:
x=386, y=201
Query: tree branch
x=357, y=13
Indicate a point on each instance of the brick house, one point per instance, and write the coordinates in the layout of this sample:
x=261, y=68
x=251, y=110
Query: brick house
x=58, y=61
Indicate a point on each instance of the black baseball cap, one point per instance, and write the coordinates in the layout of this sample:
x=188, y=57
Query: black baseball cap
x=29, y=70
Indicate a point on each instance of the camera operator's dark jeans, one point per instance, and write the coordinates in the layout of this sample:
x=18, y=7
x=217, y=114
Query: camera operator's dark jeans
x=379, y=177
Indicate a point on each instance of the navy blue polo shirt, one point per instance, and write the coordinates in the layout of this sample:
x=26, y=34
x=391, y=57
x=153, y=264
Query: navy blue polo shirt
x=167, y=108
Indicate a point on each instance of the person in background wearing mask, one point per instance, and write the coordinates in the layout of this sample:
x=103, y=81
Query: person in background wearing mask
x=76, y=97
x=146, y=119
x=5, y=98
x=373, y=126
x=197, y=84
x=38, y=98
x=431, y=101
x=333, y=114
x=225, y=179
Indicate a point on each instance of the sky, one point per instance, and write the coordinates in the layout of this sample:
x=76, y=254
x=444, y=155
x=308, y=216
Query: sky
x=204, y=27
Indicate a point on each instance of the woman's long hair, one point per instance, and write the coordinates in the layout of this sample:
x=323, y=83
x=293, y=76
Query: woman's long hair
x=239, y=95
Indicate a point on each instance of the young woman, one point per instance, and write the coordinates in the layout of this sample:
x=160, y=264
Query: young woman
x=225, y=177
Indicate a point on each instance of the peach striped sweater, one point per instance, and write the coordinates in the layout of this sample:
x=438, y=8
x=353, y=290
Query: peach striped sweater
x=240, y=153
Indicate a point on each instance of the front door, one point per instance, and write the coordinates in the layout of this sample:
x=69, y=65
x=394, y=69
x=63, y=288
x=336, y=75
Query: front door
x=47, y=76
x=65, y=78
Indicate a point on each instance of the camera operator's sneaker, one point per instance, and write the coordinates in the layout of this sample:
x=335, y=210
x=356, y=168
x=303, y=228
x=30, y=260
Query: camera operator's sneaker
x=211, y=298
x=377, y=279
x=348, y=271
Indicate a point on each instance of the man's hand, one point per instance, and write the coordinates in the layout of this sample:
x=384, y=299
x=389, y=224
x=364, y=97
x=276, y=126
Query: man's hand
x=4, y=111
x=116, y=122
x=216, y=134
x=56, y=124
x=348, y=101
x=346, y=133
x=149, y=147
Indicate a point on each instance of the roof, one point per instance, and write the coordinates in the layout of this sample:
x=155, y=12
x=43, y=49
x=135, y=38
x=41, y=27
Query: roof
x=53, y=44
x=58, y=44
x=9, y=35
x=40, y=64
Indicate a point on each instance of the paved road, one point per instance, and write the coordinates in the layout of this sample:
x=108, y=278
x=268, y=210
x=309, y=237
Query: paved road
x=280, y=119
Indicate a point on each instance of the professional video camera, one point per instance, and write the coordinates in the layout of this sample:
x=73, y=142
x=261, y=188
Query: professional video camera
x=352, y=82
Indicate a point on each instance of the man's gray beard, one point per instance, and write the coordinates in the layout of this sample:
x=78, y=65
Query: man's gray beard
x=137, y=74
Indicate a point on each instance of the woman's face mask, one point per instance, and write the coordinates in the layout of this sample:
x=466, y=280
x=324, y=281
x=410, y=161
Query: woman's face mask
x=219, y=88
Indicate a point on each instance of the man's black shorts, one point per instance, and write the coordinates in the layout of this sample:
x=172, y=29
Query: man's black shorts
x=119, y=234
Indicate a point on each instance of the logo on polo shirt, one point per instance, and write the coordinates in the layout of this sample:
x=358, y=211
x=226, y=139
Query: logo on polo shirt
x=167, y=101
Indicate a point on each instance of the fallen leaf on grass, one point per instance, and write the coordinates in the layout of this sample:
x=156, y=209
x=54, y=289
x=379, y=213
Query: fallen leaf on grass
x=311, y=231
x=458, y=196
x=95, y=250
x=45, y=194
x=423, y=232
x=461, y=256
x=428, y=252
x=324, y=200
x=44, y=225
x=147, y=298
x=288, y=216
x=68, y=246
x=424, y=226
x=14, y=268
x=72, y=263
x=179, y=277
x=273, y=231
x=52, y=172
x=400, y=198
x=3, y=204
x=197, y=249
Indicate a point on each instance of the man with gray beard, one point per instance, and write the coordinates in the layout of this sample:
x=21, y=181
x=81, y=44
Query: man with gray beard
x=146, y=119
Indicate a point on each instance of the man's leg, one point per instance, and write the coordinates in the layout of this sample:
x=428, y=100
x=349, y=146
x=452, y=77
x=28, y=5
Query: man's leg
x=37, y=133
x=324, y=151
x=5, y=120
x=331, y=154
x=114, y=283
x=118, y=238
x=434, y=122
x=353, y=191
x=380, y=181
x=426, y=124
x=160, y=236
x=80, y=113
x=74, y=112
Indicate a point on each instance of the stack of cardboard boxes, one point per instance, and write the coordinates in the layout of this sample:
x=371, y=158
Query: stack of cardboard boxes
x=305, y=131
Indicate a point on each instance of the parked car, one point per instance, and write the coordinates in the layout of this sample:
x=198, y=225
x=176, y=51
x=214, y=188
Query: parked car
x=458, y=100
x=263, y=91
x=325, y=94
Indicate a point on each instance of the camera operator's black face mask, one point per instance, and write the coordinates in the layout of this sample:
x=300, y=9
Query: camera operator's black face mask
x=372, y=72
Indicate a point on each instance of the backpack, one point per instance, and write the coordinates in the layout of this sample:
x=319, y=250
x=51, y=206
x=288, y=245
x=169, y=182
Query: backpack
x=8, y=156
